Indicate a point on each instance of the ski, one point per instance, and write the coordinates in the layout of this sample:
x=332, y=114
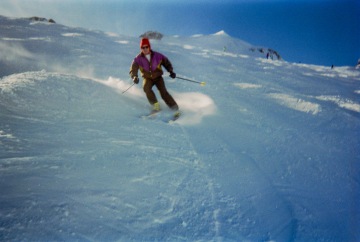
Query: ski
x=151, y=115
x=165, y=117
x=174, y=117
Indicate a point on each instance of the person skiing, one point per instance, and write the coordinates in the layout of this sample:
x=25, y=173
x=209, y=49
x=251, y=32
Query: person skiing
x=149, y=62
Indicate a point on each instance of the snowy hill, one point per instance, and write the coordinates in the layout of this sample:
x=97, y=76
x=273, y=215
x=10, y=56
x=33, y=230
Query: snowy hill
x=267, y=150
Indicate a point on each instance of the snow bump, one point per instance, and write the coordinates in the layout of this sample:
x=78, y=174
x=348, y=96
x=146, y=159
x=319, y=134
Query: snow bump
x=296, y=103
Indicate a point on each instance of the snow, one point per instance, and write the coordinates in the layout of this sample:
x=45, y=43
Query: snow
x=221, y=32
x=265, y=151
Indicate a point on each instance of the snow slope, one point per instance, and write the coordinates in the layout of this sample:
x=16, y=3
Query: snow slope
x=267, y=150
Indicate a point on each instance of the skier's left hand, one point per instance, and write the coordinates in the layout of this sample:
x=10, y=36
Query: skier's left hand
x=172, y=75
x=136, y=79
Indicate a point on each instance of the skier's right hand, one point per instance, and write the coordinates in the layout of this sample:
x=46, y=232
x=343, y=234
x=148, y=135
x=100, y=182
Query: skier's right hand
x=136, y=79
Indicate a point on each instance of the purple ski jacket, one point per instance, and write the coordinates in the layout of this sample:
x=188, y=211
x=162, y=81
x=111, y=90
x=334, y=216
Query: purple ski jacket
x=150, y=69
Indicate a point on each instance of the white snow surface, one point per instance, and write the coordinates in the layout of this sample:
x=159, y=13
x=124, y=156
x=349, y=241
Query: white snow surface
x=265, y=151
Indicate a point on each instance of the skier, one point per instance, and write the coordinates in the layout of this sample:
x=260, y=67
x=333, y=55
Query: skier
x=149, y=62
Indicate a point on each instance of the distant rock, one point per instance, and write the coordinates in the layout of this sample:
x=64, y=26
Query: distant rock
x=40, y=19
x=152, y=35
x=358, y=64
x=269, y=53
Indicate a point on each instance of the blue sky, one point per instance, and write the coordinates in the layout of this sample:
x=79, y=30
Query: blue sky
x=321, y=32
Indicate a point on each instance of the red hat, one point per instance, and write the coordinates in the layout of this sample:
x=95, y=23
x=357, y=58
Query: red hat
x=145, y=41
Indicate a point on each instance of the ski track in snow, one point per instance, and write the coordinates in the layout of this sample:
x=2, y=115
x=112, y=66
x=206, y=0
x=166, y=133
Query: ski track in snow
x=266, y=151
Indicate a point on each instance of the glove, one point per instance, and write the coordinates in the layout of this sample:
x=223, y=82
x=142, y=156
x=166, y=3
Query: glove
x=136, y=79
x=172, y=75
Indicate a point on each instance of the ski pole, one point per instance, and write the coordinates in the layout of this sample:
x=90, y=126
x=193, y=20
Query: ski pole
x=128, y=88
x=201, y=83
